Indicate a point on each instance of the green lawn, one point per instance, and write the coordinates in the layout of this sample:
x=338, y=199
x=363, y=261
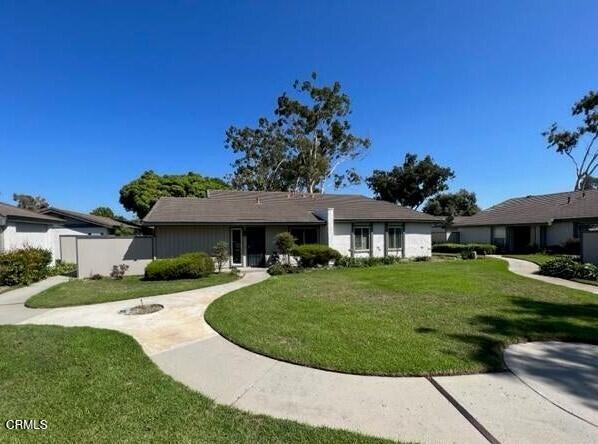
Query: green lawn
x=88, y=291
x=98, y=386
x=407, y=319
x=536, y=258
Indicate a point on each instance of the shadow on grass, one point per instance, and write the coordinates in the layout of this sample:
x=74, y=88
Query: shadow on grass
x=531, y=320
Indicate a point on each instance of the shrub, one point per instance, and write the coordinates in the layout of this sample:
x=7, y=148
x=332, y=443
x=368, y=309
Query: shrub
x=284, y=243
x=185, y=266
x=312, y=255
x=220, y=252
x=63, y=269
x=468, y=253
x=562, y=267
x=587, y=271
x=24, y=266
x=422, y=259
x=118, y=271
x=361, y=262
x=458, y=248
x=279, y=268
x=96, y=277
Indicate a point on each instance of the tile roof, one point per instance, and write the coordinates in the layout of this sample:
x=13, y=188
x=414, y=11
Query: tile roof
x=541, y=209
x=11, y=211
x=223, y=206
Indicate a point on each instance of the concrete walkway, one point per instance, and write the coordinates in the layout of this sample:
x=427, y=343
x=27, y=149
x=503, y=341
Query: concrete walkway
x=466, y=409
x=530, y=270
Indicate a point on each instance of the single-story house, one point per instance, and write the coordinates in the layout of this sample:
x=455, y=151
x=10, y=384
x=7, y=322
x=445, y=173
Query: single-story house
x=22, y=228
x=541, y=221
x=248, y=221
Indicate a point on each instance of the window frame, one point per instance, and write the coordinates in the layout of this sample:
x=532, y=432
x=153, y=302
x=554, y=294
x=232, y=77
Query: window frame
x=298, y=241
x=399, y=237
x=361, y=237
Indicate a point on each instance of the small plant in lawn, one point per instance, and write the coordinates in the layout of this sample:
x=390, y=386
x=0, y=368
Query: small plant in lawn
x=118, y=271
x=469, y=253
x=284, y=243
x=96, y=277
x=220, y=252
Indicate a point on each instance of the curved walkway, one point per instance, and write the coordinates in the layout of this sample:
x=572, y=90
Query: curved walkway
x=530, y=270
x=499, y=407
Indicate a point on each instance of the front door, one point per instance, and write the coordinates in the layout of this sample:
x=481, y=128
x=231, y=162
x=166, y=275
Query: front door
x=256, y=246
x=520, y=238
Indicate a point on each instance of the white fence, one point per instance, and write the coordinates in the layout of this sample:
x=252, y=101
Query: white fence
x=98, y=254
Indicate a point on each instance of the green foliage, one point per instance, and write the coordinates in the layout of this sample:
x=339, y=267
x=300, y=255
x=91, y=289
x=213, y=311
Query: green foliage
x=278, y=269
x=565, y=142
x=570, y=246
x=364, y=262
x=468, y=253
x=118, y=271
x=29, y=202
x=284, y=243
x=63, y=269
x=141, y=194
x=302, y=146
x=458, y=248
x=564, y=267
x=104, y=212
x=411, y=183
x=24, y=266
x=185, y=266
x=220, y=253
x=313, y=255
x=461, y=203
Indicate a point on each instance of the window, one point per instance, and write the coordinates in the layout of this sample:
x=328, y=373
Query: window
x=361, y=236
x=395, y=238
x=305, y=235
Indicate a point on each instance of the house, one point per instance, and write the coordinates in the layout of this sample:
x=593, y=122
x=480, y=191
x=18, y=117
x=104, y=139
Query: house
x=248, y=221
x=23, y=228
x=546, y=220
x=81, y=224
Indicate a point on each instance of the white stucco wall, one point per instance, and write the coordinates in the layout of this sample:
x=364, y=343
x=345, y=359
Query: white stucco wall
x=20, y=234
x=342, y=238
x=378, y=235
x=558, y=233
x=418, y=239
x=474, y=234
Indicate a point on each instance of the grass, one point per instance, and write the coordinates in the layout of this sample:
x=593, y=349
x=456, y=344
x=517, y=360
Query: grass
x=435, y=318
x=536, y=258
x=98, y=386
x=89, y=291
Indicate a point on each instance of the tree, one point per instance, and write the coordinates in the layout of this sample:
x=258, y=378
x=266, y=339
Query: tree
x=220, y=252
x=29, y=202
x=104, y=212
x=411, y=183
x=284, y=243
x=461, y=203
x=141, y=194
x=303, y=147
x=565, y=142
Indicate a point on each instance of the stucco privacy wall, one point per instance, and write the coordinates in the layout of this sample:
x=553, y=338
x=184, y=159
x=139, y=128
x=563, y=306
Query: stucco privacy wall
x=475, y=234
x=97, y=254
x=589, y=247
x=418, y=240
x=68, y=249
x=57, y=233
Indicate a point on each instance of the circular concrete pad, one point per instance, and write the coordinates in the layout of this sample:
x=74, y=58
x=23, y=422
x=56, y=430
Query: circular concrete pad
x=564, y=373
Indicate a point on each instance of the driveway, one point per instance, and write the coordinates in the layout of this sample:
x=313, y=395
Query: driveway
x=500, y=407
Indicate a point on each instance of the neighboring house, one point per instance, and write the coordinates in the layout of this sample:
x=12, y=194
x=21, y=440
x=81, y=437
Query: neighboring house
x=249, y=221
x=22, y=228
x=81, y=224
x=541, y=221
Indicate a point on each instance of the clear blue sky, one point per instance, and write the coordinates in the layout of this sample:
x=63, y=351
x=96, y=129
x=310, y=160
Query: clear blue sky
x=94, y=93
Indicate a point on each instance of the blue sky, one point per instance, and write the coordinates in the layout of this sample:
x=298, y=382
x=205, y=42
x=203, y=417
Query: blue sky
x=94, y=93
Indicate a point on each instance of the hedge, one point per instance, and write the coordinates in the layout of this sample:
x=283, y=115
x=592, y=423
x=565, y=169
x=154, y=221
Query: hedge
x=186, y=266
x=24, y=266
x=567, y=268
x=312, y=255
x=459, y=248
